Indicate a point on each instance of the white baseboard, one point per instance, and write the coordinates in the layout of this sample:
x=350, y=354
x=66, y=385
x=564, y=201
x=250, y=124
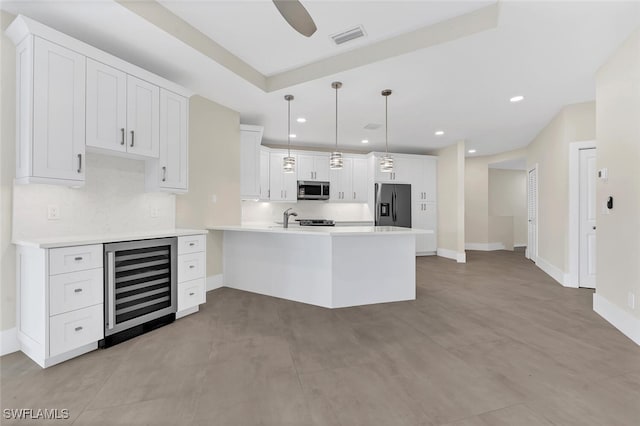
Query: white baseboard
x=551, y=270
x=9, y=341
x=617, y=317
x=214, y=281
x=484, y=246
x=452, y=254
x=519, y=245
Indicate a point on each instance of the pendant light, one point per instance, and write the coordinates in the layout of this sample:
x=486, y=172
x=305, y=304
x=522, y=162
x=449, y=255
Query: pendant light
x=335, y=159
x=289, y=162
x=386, y=161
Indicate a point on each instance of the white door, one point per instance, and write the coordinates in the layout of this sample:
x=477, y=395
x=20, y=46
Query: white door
x=587, y=254
x=359, y=181
x=174, y=140
x=143, y=117
x=532, y=207
x=58, y=112
x=106, y=107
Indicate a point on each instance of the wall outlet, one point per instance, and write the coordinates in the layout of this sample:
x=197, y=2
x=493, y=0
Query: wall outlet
x=53, y=212
x=631, y=300
x=154, y=212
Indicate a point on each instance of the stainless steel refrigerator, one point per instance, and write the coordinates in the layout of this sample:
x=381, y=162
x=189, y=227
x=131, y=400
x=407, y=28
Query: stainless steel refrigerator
x=393, y=204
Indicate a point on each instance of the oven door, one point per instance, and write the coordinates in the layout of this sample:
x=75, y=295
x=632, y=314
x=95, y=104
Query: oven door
x=140, y=282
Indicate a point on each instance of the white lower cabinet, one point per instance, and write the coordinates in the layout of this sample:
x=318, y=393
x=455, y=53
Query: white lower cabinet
x=59, y=301
x=192, y=272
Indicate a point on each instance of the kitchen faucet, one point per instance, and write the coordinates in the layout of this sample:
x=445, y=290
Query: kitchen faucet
x=285, y=217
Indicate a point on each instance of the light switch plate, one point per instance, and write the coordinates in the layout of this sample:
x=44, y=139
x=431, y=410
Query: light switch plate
x=53, y=212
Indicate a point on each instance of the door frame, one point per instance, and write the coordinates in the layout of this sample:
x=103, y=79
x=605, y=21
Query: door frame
x=573, y=277
x=533, y=256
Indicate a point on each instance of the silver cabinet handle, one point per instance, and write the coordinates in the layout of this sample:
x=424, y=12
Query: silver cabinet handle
x=268, y=193
x=111, y=288
x=78, y=328
x=132, y=138
x=191, y=294
x=192, y=244
x=79, y=163
x=192, y=266
x=122, y=136
x=164, y=173
x=78, y=258
x=77, y=290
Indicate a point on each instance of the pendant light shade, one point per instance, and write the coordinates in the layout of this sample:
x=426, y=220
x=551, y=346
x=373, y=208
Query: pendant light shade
x=289, y=162
x=335, y=159
x=386, y=161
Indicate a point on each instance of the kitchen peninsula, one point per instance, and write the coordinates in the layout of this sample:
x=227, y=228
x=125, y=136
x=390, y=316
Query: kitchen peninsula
x=332, y=267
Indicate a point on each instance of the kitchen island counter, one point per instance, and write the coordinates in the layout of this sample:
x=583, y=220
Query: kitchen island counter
x=332, y=267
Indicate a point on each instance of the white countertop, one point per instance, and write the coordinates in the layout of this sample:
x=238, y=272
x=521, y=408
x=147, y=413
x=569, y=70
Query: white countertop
x=325, y=230
x=81, y=240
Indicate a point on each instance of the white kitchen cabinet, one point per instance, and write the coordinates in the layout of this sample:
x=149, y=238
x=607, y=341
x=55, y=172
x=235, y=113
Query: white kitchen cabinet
x=349, y=184
x=192, y=273
x=143, y=118
x=250, y=164
x=423, y=182
x=313, y=167
x=170, y=172
x=402, y=169
x=265, y=167
x=424, y=216
x=50, y=96
x=283, y=186
x=59, y=301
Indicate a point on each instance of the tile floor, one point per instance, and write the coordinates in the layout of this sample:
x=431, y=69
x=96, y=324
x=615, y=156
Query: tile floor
x=492, y=342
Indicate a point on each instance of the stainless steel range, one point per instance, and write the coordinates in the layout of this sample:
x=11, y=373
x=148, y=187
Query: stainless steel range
x=315, y=222
x=140, y=287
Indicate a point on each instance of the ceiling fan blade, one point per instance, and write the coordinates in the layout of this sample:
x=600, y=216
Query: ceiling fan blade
x=297, y=16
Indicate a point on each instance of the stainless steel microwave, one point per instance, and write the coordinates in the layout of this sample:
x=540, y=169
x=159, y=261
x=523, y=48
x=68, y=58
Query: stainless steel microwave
x=310, y=190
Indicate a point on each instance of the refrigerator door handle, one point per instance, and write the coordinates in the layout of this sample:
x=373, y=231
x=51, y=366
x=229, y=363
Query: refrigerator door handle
x=393, y=207
x=377, y=204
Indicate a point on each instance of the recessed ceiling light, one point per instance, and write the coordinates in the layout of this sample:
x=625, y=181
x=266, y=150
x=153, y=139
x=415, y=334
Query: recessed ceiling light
x=439, y=133
x=516, y=98
x=301, y=120
x=472, y=151
x=365, y=141
x=292, y=135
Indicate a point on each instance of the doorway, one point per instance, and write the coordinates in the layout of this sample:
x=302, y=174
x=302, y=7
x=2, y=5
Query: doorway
x=531, y=252
x=587, y=251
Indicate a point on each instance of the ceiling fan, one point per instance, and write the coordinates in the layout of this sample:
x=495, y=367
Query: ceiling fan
x=297, y=16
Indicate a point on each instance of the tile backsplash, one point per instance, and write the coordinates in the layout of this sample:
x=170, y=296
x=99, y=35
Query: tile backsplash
x=268, y=212
x=113, y=200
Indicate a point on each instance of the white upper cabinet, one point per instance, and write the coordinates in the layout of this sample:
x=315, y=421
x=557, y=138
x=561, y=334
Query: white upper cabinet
x=283, y=186
x=106, y=107
x=360, y=180
x=350, y=183
x=250, y=162
x=313, y=167
x=402, y=169
x=50, y=95
x=265, y=193
x=143, y=118
x=173, y=164
x=423, y=187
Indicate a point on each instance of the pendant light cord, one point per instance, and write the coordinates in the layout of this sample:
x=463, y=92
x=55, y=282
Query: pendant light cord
x=336, y=118
x=386, y=124
x=289, y=128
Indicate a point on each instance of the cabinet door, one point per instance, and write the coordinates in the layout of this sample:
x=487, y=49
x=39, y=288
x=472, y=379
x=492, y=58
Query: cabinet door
x=289, y=184
x=174, y=141
x=321, y=166
x=425, y=217
x=249, y=164
x=58, y=112
x=143, y=117
x=340, y=182
x=264, y=174
x=306, y=167
x=430, y=179
x=276, y=175
x=359, y=181
x=106, y=107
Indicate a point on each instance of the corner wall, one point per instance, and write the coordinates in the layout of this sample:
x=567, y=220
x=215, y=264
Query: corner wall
x=618, y=233
x=451, y=202
x=214, y=170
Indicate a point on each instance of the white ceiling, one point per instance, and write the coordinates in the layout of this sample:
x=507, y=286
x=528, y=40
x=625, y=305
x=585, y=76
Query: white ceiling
x=547, y=51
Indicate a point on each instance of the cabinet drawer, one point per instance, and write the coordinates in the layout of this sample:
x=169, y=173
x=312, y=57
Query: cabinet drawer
x=190, y=294
x=78, y=258
x=192, y=244
x=191, y=266
x=74, y=329
x=75, y=290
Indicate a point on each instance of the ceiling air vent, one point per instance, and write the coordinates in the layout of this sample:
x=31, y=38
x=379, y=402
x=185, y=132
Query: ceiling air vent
x=372, y=126
x=348, y=35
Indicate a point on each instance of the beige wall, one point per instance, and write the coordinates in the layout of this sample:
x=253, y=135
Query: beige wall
x=508, y=207
x=618, y=133
x=550, y=151
x=451, y=207
x=214, y=170
x=7, y=173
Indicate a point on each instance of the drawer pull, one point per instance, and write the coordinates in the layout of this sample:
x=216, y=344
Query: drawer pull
x=79, y=258
x=77, y=290
x=192, y=244
x=192, y=266
x=78, y=328
x=191, y=294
